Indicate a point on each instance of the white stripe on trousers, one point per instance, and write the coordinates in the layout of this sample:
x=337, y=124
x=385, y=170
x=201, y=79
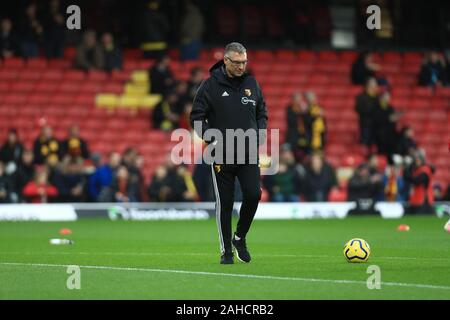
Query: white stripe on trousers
x=218, y=210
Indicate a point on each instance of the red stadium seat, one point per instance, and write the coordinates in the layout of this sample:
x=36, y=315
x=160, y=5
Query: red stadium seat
x=74, y=75
x=13, y=63
x=38, y=99
x=422, y=92
x=91, y=87
x=348, y=56
x=4, y=86
x=328, y=56
x=60, y=64
x=69, y=87
x=392, y=57
x=8, y=74
x=412, y=58
x=37, y=63
x=443, y=92
x=263, y=55
x=307, y=56
x=30, y=75
x=22, y=86
x=119, y=75
x=61, y=99
x=285, y=55
x=130, y=65
x=97, y=75
x=14, y=99
x=84, y=99
x=52, y=75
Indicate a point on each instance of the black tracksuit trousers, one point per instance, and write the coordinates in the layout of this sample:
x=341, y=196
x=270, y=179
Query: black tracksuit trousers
x=223, y=181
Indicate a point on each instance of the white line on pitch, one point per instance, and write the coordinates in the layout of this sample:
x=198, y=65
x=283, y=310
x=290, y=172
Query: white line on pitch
x=236, y=275
x=211, y=254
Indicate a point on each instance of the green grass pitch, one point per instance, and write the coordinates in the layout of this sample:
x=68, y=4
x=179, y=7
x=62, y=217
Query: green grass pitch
x=299, y=259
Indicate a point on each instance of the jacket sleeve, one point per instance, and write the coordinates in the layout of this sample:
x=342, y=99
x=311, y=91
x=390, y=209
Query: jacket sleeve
x=261, y=110
x=200, y=109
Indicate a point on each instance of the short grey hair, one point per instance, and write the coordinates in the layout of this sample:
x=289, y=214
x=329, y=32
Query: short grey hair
x=234, y=47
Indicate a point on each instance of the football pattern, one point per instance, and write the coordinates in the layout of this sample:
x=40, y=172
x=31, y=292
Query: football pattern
x=357, y=250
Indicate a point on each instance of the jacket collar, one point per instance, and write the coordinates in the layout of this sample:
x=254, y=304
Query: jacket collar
x=218, y=71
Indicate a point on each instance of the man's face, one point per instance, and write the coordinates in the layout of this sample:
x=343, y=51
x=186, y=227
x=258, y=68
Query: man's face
x=6, y=25
x=235, y=63
x=107, y=39
x=386, y=97
x=47, y=132
x=316, y=163
x=114, y=160
x=12, y=138
x=74, y=131
x=372, y=85
x=311, y=98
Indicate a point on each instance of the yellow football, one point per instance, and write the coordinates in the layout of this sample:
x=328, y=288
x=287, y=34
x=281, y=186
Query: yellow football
x=357, y=250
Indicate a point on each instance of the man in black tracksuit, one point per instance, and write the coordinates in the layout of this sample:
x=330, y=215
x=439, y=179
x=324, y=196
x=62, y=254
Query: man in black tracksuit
x=232, y=99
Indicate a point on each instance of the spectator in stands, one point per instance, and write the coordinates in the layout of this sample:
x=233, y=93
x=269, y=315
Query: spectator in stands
x=393, y=184
x=301, y=23
x=70, y=180
x=74, y=145
x=375, y=173
x=203, y=181
x=161, y=76
x=318, y=126
x=154, y=29
x=133, y=162
x=447, y=194
x=197, y=76
x=187, y=185
x=385, y=126
x=406, y=145
x=112, y=53
x=89, y=54
x=419, y=175
x=123, y=188
x=447, y=64
x=319, y=179
x=284, y=186
x=54, y=29
x=432, y=72
x=31, y=32
x=191, y=31
x=46, y=146
x=100, y=180
x=9, y=43
x=173, y=184
x=5, y=185
x=40, y=190
x=437, y=192
x=299, y=126
x=139, y=167
x=12, y=150
x=23, y=174
x=364, y=68
x=363, y=189
x=166, y=114
x=159, y=189
x=184, y=121
x=181, y=90
x=366, y=104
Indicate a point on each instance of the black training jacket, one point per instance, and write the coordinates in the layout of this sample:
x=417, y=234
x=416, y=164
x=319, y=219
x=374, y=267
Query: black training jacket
x=220, y=105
